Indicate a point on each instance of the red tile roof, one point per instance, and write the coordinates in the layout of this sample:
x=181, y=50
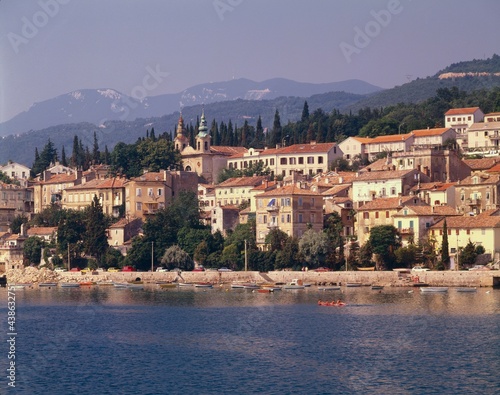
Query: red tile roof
x=228, y=151
x=460, y=111
x=287, y=190
x=243, y=181
x=389, y=203
x=382, y=175
x=390, y=138
x=430, y=211
x=433, y=186
x=429, y=132
x=42, y=230
x=468, y=222
x=481, y=164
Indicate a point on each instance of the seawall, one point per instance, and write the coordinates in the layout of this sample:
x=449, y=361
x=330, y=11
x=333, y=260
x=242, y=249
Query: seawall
x=386, y=278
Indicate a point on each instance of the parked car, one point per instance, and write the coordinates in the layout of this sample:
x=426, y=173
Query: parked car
x=129, y=269
x=75, y=269
x=420, y=269
x=224, y=269
x=161, y=269
x=60, y=269
x=322, y=269
x=199, y=269
x=87, y=270
x=113, y=269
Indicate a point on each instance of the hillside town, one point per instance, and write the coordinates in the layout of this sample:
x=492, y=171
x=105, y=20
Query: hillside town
x=414, y=181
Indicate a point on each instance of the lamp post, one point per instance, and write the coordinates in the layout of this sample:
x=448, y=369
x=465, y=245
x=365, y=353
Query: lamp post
x=246, y=260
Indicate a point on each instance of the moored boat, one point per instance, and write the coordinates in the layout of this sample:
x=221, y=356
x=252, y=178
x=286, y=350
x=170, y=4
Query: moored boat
x=120, y=285
x=377, y=287
x=17, y=287
x=168, y=285
x=47, y=285
x=329, y=288
x=433, y=289
x=466, y=289
x=353, y=284
x=69, y=285
x=185, y=284
x=203, y=285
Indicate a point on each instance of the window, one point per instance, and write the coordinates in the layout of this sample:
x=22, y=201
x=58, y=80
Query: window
x=300, y=218
x=301, y=160
x=283, y=161
x=150, y=191
x=138, y=192
x=376, y=214
x=160, y=191
x=393, y=190
x=400, y=224
x=138, y=206
x=265, y=219
x=292, y=161
x=387, y=214
x=300, y=202
x=288, y=218
x=468, y=231
x=457, y=232
x=366, y=215
x=411, y=224
x=313, y=218
x=310, y=160
x=320, y=160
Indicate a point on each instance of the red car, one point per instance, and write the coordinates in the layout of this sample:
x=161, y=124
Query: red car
x=322, y=269
x=129, y=269
x=199, y=269
x=75, y=269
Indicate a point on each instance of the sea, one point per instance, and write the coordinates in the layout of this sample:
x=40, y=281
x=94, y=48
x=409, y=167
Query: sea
x=105, y=340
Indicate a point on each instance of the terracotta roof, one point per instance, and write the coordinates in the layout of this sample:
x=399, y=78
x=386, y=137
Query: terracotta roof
x=59, y=179
x=430, y=211
x=494, y=169
x=335, y=189
x=224, y=150
x=389, y=203
x=378, y=165
x=306, y=148
x=100, y=184
x=429, y=132
x=334, y=178
x=492, y=114
x=263, y=187
x=390, y=138
x=341, y=199
x=433, y=186
x=150, y=176
x=460, y=111
x=481, y=164
x=42, y=230
x=468, y=222
x=243, y=181
x=484, y=179
x=382, y=175
x=484, y=126
x=289, y=190
x=363, y=140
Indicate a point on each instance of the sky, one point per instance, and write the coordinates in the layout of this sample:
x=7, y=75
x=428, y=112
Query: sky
x=152, y=47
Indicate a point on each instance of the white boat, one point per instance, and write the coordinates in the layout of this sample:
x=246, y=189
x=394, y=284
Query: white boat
x=120, y=285
x=185, y=284
x=237, y=286
x=330, y=288
x=203, y=285
x=353, y=284
x=17, y=287
x=433, y=289
x=466, y=289
x=377, y=287
x=69, y=285
x=251, y=286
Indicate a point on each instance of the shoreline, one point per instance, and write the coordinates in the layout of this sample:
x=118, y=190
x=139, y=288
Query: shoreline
x=489, y=278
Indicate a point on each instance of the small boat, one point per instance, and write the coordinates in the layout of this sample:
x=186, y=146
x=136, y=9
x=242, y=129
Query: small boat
x=185, y=284
x=329, y=288
x=47, y=285
x=86, y=283
x=168, y=285
x=237, y=286
x=69, y=285
x=135, y=287
x=105, y=283
x=353, y=284
x=433, y=289
x=272, y=289
x=265, y=290
x=251, y=286
x=294, y=284
x=377, y=287
x=120, y=285
x=330, y=304
x=203, y=285
x=17, y=287
x=466, y=289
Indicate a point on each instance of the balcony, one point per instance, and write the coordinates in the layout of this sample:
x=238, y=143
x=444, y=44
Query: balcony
x=473, y=202
x=272, y=208
x=272, y=225
x=406, y=231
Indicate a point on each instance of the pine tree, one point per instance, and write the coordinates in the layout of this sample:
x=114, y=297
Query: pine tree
x=106, y=157
x=259, y=134
x=94, y=239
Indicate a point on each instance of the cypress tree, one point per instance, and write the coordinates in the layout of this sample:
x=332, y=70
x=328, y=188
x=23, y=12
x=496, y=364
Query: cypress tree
x=445, y=254
x=305, y=112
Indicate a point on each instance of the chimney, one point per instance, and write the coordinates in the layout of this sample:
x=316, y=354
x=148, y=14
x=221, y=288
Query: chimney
x=313, y=142
x=341, y=180
x=46, y=175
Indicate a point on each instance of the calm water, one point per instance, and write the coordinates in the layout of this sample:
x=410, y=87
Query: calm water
x=103, y=340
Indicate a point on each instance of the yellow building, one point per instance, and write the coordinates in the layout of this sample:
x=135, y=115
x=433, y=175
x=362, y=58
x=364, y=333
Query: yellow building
x=238, y=190
x=110, y=192
x=291, y=209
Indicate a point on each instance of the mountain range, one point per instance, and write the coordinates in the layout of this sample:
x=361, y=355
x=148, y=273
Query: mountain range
x=100, y=105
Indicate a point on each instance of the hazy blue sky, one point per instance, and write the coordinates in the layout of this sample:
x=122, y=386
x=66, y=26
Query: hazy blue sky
x=51, y=47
